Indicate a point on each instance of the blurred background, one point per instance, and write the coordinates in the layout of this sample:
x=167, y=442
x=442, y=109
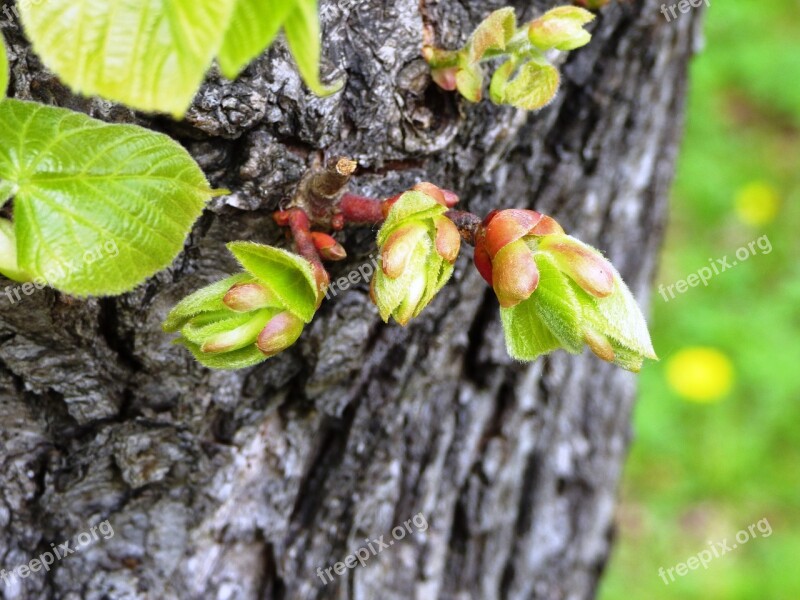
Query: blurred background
x=717, y=425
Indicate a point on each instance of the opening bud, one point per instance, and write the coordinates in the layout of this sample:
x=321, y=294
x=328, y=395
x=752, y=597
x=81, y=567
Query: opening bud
x=279, y=333
x=448, y=240
x=514, y=273
x=244, y=297
x=236, y=338
x=585, y=265
x=399, y=248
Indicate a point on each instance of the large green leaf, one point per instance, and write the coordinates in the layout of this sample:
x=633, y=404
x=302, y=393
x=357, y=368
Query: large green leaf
x=302, y=33
x=3, y=68
x=288, y=276
x=149, y=54
x=97, y=207
x=254, y=25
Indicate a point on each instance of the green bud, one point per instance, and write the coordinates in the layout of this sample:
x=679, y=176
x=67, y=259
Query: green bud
x=243, y=320
x=557, y=292
x=279, y=333
x=244, y=297
x=418, y=246
x=234, y=338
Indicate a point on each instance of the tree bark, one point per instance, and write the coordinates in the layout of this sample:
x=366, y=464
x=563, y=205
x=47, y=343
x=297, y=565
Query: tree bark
x=244, y=484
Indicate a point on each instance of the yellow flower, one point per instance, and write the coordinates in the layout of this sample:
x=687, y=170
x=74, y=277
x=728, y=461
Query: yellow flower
x=757, y=203
x=700, y=374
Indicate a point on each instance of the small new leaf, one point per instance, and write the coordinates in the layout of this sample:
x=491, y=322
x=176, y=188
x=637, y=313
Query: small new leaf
x=561, y=28
x=289, y=277
x=497, y=88
x=534, y=86
x=469, y=81
x=527, y=337
x=494, y=33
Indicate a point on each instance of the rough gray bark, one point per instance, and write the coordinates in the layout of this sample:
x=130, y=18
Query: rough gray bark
x=243, y=484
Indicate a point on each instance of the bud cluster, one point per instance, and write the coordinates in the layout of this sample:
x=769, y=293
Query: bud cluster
x=526, y=79
x=418, y=247
x=245, y=319
x=557, y=292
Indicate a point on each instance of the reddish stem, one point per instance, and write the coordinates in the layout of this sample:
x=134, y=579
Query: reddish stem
x=359, y=209
x=467, y=224
x=299, y=224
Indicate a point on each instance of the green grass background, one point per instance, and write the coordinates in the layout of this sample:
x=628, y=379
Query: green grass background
x=704, y=471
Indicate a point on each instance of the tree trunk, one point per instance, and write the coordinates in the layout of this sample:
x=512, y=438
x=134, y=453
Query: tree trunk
x=251, y=484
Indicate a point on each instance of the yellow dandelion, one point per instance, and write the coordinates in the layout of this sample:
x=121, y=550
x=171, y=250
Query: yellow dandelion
x=700, y=374
x=757, y=203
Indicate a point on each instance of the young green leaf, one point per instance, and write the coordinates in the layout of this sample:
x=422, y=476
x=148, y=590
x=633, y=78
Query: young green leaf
x=557, y=306
x=289, y=277
x=494, y=33
x=497, y=87
x=237, y=359
x=527, y=337
x=303, y=35
x=534, y=86
x=3, y=68
x=151, y=55
x=561, y=28
x=469, y=81
x=253, y=27
x=98, y=208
